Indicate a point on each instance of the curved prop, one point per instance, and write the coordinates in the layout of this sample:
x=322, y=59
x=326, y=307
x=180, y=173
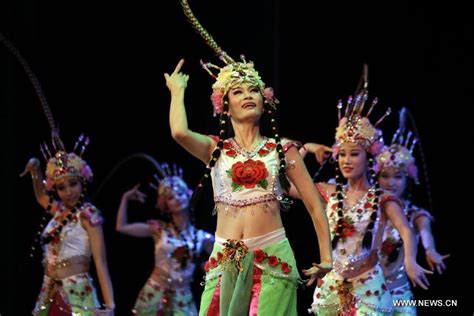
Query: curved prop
x=124, y=161
x=205, y=34
x=56, y=140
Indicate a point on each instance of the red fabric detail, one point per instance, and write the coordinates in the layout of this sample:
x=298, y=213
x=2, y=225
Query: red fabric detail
x=388, y=197
x=59, y=307
x=259, y=255
x=323, y=192
x=214, y=137
x=256, y=290
x=92, y=215
x=214, y=309
x=290, y=144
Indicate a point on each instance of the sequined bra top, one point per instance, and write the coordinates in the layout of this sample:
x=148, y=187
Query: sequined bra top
x=73, y=241
x=356, y=219
x=241, y=177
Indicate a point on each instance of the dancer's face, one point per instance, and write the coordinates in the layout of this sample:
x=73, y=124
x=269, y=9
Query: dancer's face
x=245, y=103
x=176, y=200
x=352, y=160
x=393, y=180
x=69, y=190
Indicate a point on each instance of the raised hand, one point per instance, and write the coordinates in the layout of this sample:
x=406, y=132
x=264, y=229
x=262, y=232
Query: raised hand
x=134, y=194
x=321, y=152
x=32, y=166
x=177, y=81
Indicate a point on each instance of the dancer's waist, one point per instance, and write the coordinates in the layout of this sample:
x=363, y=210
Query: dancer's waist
x=260, y=241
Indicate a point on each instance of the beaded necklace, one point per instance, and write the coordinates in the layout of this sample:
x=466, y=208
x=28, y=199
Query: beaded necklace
x=371, y=205
x=185, y=254
x=54, y=233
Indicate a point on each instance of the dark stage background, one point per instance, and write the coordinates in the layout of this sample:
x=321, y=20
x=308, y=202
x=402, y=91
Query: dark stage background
x=101, y=65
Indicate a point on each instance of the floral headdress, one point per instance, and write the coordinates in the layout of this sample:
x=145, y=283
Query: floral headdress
x=63, y=164
x=356, y=128
x=400, y=152
x=169, y=181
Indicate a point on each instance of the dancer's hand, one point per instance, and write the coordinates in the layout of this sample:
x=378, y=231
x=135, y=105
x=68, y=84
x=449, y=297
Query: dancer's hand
x=177, y=81
x=435, y=260
x=32, y=166
x=321, y=152
x=317, y=271
x=417, y=274
x=134, y=195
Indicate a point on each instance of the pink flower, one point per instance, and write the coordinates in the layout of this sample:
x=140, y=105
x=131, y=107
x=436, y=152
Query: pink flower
x=335, y=151
x=217, y=101
x=87, y=173
x=412, y=171
x=378, y=165
x=376, y=148
x=268, y=94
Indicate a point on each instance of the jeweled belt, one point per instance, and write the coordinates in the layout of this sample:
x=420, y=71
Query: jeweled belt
x=66, y=262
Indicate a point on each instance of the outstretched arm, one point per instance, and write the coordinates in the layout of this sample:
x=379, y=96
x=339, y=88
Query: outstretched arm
x=33, y=167
x=321, y=152
x=198, y=145
x=415, y=272
x=433, y=258
x=122, y=225
x=299, y=176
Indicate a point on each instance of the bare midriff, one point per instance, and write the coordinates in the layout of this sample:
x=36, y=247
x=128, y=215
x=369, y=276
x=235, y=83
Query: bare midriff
x=247, y=221
x=67, y=268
